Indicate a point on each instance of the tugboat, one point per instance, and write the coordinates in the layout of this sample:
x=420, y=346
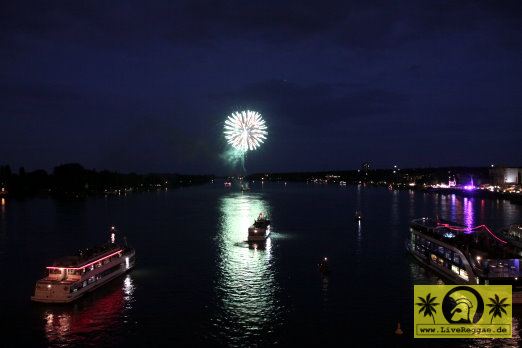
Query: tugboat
x=72, y=277
x=260, y=230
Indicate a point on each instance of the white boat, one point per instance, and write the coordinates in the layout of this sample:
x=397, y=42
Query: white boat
x=73, y=276
x=260, y=230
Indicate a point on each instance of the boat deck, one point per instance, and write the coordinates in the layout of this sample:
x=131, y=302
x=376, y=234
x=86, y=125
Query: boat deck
x=48, y=280
x=479, y=240
x=87, y=256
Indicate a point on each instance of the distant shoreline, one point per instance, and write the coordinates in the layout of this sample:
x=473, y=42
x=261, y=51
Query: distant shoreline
x=72, y=181
x=461, y=181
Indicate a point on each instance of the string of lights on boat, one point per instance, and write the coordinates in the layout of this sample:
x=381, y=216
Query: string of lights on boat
x=469, y=230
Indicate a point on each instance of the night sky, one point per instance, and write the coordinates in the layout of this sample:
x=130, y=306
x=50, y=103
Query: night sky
x=145, y=86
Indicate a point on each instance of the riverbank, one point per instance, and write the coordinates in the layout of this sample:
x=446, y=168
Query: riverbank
x=515, y=198
x=73, y=181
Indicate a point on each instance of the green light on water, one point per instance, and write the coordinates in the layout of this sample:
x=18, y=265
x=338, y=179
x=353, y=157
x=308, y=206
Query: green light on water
x=246, y=283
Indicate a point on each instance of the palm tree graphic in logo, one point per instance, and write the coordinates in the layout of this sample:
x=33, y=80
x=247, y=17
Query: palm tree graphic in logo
x=427, y=305
x=497, y=307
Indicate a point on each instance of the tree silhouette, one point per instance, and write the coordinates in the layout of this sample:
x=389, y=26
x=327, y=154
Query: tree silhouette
x=497, y=307
x=427, y=306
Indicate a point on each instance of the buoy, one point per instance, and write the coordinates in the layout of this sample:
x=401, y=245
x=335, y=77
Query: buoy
x=323, y=266
x=398, y=331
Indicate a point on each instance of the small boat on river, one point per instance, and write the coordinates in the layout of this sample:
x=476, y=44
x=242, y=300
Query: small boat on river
x=260, y=230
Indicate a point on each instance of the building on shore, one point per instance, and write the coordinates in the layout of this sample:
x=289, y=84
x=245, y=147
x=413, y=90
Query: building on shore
x=505, y=175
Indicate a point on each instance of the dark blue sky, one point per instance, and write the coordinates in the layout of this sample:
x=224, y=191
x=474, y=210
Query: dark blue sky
x=146, y=85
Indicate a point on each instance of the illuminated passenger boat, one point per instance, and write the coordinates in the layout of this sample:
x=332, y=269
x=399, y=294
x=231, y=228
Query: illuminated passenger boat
x=73, y=276
x=260, y=230
x=466, y=255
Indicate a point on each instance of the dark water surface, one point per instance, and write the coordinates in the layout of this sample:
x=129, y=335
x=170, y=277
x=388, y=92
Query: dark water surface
x=198, y=283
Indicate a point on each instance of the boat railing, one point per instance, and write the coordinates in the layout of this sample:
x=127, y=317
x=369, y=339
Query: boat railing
x=86, y=256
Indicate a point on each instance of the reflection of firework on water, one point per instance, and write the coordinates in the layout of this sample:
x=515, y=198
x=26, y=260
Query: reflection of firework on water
x=245, y=130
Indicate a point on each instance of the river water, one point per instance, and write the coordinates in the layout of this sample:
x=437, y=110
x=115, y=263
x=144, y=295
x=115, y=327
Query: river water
x=198, y=283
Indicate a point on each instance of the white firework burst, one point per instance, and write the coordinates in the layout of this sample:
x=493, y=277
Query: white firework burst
x=245, y=130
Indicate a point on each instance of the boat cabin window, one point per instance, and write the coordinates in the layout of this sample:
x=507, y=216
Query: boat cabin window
x=54, y=271
x=463, y=274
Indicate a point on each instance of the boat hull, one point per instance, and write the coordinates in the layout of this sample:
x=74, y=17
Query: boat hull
x=437, y=270
x=258, y=234
x=257, y=238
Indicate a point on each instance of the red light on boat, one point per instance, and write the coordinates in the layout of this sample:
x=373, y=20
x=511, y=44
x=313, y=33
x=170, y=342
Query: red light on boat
x=468, y=230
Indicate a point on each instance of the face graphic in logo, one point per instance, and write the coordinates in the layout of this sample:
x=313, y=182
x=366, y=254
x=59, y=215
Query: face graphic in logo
x=462, y=305
x=463, y=309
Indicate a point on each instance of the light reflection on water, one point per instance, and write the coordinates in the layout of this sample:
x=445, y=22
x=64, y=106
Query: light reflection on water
x=87, y=321
x=395, y=207
x=458, y=209
x=358, y=249
x=2, y=214
x=469, y=212
x=453, y=208
x=252, y=296
x=411, y=196
x=246, y=286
